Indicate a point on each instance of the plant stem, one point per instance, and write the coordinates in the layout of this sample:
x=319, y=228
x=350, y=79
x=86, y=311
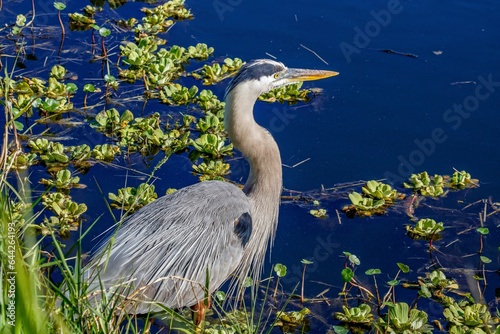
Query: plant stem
x=104, y=52
x=276, y=288
x=63, y=32
x=302, y=288
x=378, y=295
x=33, y=16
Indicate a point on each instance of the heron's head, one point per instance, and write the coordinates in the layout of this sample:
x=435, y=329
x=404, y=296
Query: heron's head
x=259, y=76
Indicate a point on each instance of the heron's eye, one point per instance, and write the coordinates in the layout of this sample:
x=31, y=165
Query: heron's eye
x=276, y=75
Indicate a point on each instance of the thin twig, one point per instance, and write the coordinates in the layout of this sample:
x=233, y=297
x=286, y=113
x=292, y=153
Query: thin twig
x=270, y=55
x=314, y=53
x=338, y=216
x=297, y=164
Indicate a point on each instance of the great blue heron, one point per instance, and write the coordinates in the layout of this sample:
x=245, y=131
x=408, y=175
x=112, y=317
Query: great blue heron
x=165, y=252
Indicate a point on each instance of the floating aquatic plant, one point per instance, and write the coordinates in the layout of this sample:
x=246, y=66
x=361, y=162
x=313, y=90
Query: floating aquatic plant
x=142, y=134
x=105, y=152
x=67, y=212
x=365, y=203
x=175, y=94
x=435, y=284
x=210, y=124
x=400, y=319
x=131, y=198
x=468, y=318
x=291, y=321
x=63, y=180
x=21, y=160
x=290, y=93
x=80, y=22
x=20, y=24
x=434, y=186
x=212, y=170
x=426, y=185
x=358, y=319
x=375, y=198
x=210, y=146
x=363, y=206
x=54, y=157
x=426, y=229
x=318, y=213
x=380, y=191
x=160, y=18
x=461, y=180
x=212, y=74
x=110, y=120
x=209, y=102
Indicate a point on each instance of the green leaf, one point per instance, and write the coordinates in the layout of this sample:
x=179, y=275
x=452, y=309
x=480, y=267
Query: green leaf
x=354, y=259
x=71, y=88
x=89, y=88
x=220, y=296
x=424, y=291
x=340, y=330
x=373, y=271
x=280, y=269
x=109, y=78
x=104, y=32
x=59, y=5
x=403, y=267
x=347, y=274
x=50, y=105
x=19, y=126
x=320, y=213
x=483, y=230
x=393, y=282
x=20, y=20
x=247, y=282
x=485, y=259
x=304, y=261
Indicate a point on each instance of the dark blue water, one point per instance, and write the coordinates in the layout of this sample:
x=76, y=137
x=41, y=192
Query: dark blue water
x=431, y=104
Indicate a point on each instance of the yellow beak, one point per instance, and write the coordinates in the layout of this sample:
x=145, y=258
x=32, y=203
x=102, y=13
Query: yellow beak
x=298, y=74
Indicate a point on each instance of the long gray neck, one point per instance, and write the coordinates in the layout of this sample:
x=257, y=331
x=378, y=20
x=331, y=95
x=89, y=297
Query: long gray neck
x=256, y=144
x=264, y=183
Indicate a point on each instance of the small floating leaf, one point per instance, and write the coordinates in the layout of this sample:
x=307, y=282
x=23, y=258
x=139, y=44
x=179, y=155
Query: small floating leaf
x=485, y=259
x=373, y=271
x=59, y=5
x=340, y=330
x=347, y=275
x=104, y=32
x=403, y=267
x=280, y=269
x=320, y=213
x=483, y=230
x=393, y=282
x=89, y=88
x=354, y=259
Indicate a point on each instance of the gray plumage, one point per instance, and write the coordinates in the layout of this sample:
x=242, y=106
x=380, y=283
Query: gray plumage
x=164, y=251
x=198, y=223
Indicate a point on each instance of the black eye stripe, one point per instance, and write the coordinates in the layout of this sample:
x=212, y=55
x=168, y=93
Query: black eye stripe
x=254, y=70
